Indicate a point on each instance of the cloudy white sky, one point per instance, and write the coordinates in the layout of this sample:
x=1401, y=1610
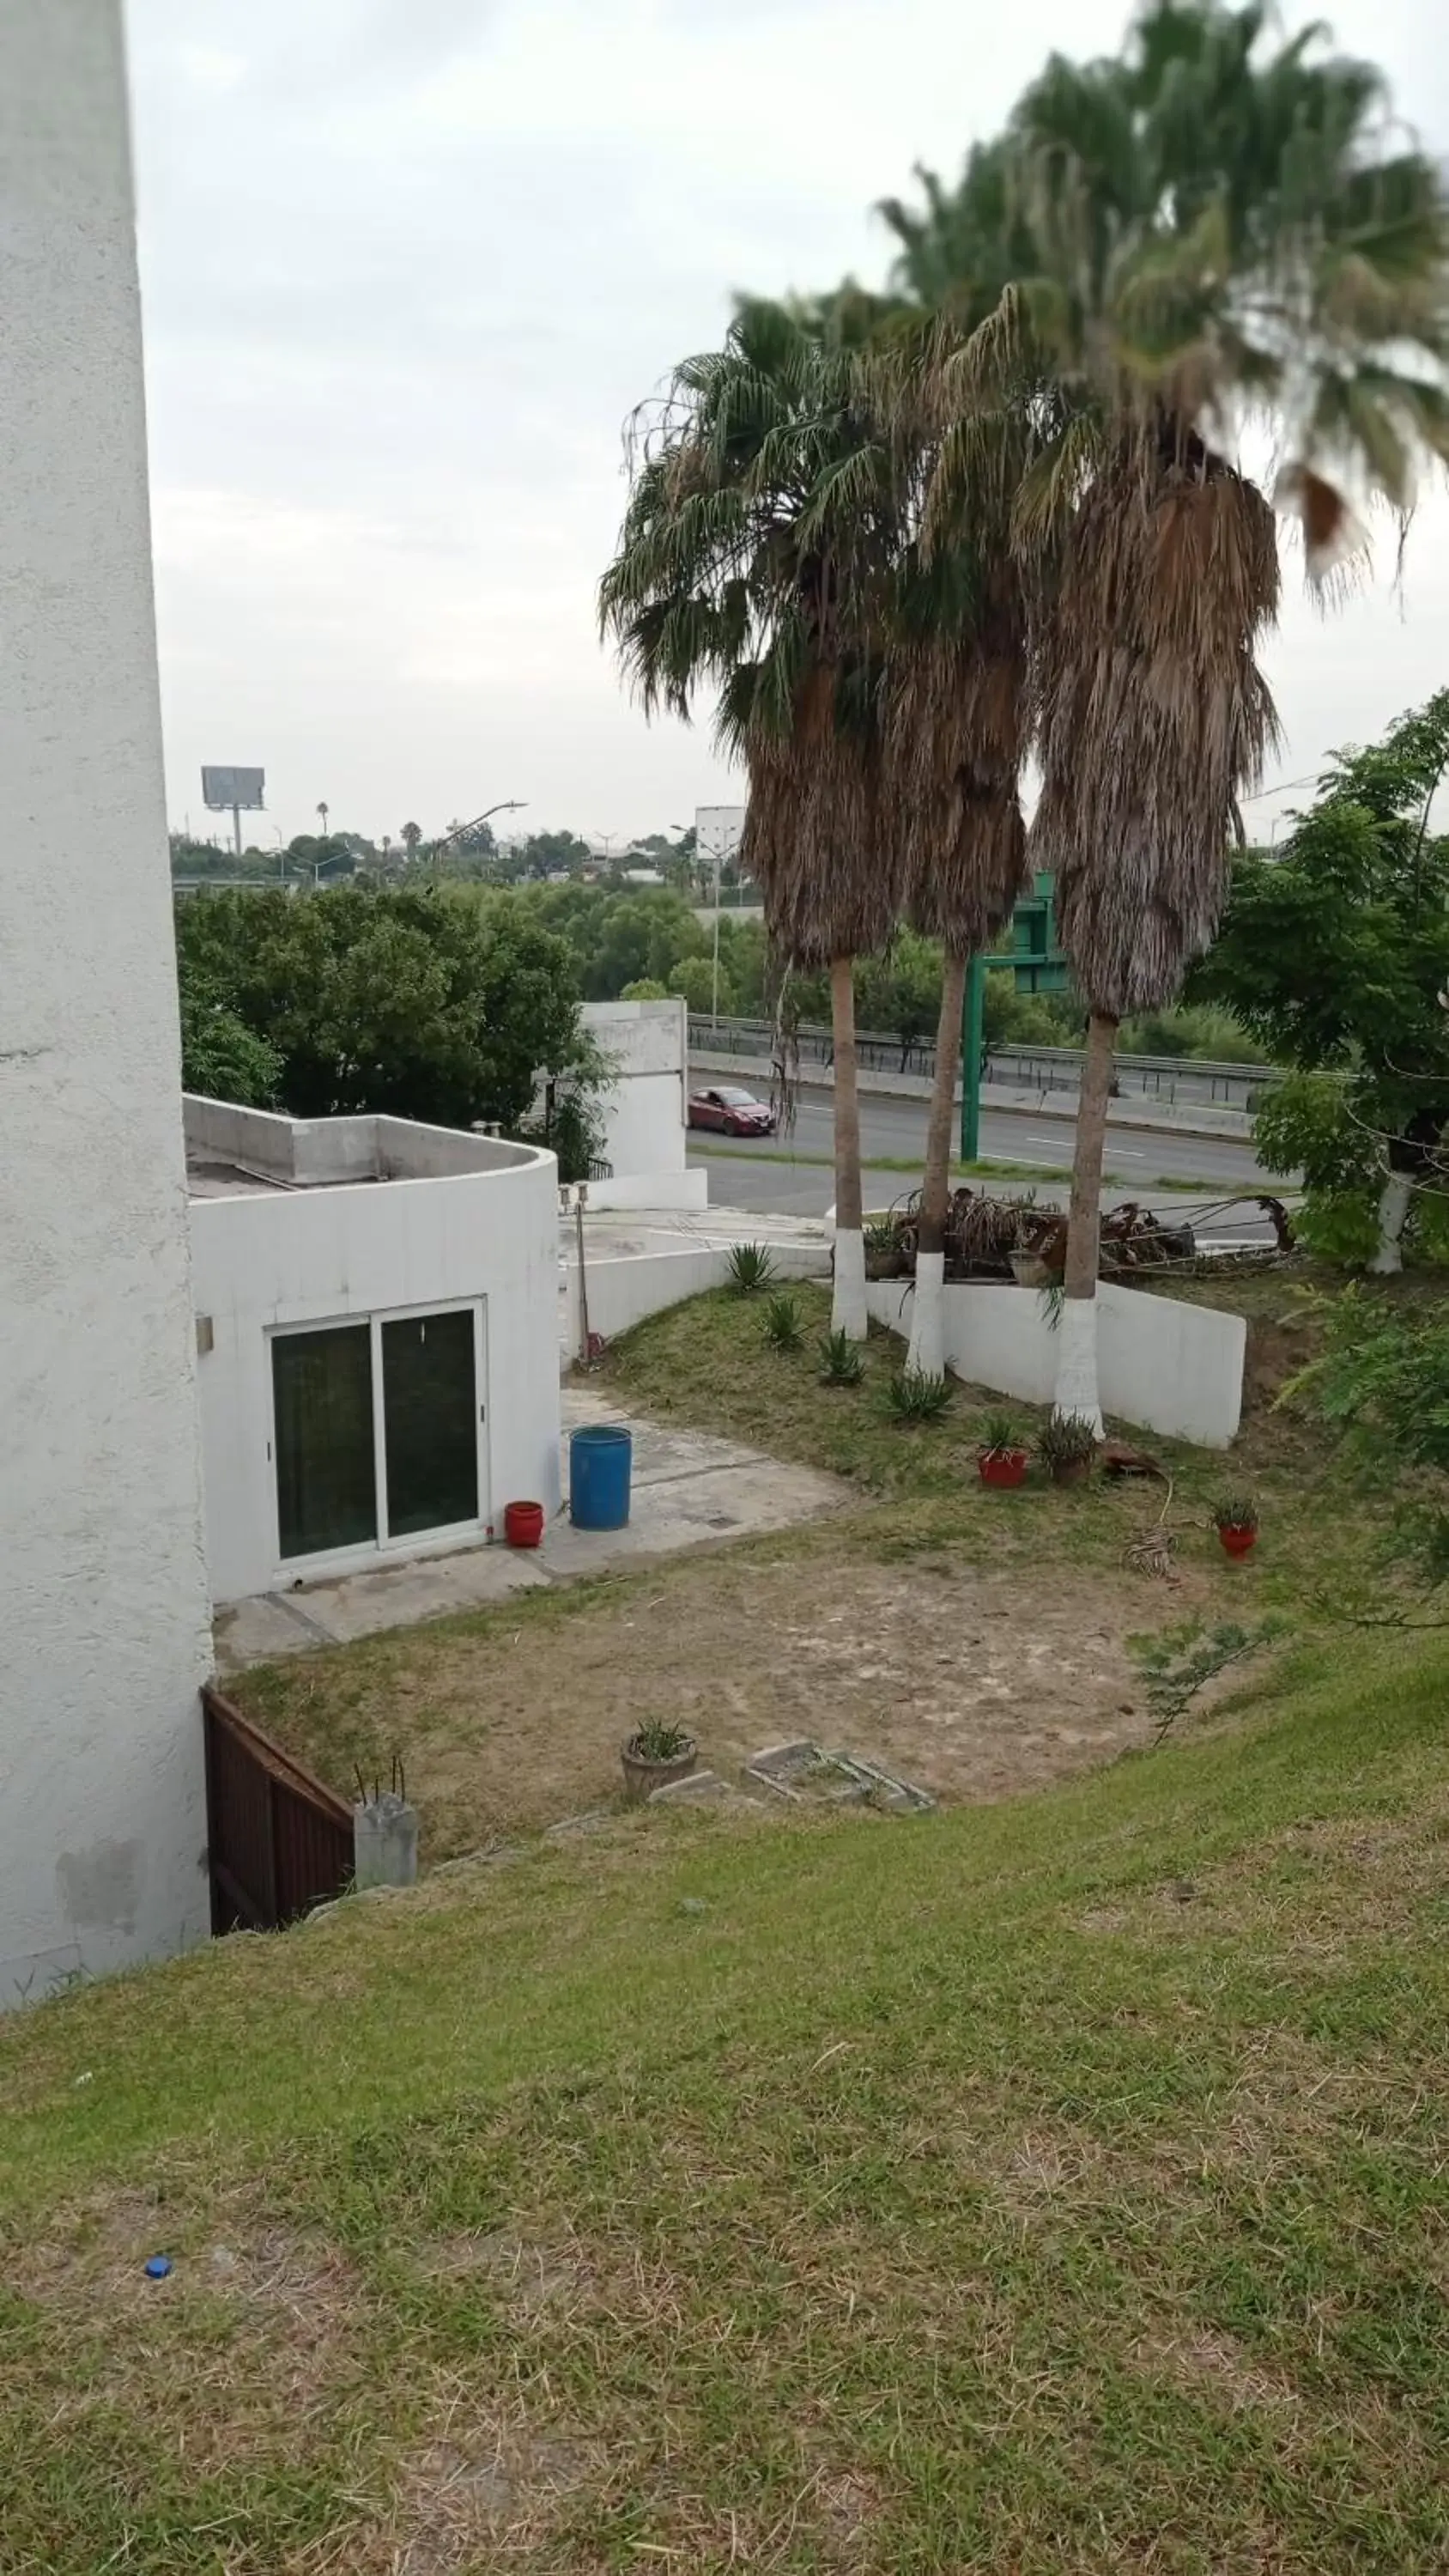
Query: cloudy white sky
x=408, y=264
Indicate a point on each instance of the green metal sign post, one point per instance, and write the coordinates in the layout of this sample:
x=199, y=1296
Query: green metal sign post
x=1038, y=966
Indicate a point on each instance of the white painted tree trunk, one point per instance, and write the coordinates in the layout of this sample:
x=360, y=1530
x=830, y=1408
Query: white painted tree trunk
x=848, y=1312
x=1393, y=1210
x=926, y=1355
x=1076, y=1386
x=847, y=1307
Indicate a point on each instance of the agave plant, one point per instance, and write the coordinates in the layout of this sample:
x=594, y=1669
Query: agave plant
x=913, y=1397
x=750, y=1267
x=784, y=1326
x=841, y=1361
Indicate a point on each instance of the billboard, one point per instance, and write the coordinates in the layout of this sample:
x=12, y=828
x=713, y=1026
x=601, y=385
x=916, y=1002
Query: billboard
x=224, y=789
x=717, y=830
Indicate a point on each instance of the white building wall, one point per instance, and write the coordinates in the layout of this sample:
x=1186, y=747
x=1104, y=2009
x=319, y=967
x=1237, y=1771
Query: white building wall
x=645, y=1130
x=103, y=1611
x=320, y=1255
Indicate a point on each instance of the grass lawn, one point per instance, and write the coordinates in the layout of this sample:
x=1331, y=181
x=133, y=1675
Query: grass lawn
x=1052, y=2185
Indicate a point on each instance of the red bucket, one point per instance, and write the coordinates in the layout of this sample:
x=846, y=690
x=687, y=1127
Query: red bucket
x=523, y=1524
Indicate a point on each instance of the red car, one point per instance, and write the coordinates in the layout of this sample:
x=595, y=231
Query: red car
x=731, y=1112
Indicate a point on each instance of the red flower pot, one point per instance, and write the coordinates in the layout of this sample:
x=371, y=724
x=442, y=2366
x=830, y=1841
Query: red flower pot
x=1001, y=1466
x=523, y=1524
x=1237, y=1541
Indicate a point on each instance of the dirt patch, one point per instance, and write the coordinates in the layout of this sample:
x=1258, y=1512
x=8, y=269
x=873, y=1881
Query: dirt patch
x=977, y=1686
x=482, y=2490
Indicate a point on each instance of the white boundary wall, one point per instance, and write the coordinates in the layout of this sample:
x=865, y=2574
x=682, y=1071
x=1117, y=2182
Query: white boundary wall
x=626, y=1287
x=103, y=1607
x=1164, y=1364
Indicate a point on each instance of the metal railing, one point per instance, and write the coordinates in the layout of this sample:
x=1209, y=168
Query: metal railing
x=1185, y=1079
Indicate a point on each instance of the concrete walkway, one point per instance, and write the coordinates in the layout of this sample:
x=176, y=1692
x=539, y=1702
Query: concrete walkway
x=687, y=1491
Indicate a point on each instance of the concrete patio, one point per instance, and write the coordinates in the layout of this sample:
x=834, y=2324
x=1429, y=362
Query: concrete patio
x=688, y=1491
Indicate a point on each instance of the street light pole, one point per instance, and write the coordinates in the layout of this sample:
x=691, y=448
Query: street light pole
x=511, y=805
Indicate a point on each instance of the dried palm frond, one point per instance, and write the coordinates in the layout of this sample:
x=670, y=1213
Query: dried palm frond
x=1153, y=714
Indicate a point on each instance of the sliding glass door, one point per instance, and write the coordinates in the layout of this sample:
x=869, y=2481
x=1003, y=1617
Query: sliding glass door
x=430, y=1421
x=378, y=1430
x=326, y=1451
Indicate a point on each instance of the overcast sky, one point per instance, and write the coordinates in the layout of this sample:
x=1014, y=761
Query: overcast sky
x=408, y=264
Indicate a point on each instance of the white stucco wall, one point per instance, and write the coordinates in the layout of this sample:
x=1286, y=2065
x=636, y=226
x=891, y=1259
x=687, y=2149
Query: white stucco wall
x=103, y=1609
x=1162, y=1363
x=626, y=1287
x=371, y=1248
x=647, y=1046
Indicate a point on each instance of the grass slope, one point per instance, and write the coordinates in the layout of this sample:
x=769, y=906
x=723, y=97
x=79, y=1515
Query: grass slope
x=1051, y=2186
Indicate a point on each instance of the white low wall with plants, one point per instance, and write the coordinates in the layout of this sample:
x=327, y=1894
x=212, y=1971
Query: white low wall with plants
x=1164, y=1365
x=623, y=1290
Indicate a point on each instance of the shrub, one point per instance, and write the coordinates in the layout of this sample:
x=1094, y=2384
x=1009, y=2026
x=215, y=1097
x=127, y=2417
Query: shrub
x=1066, y=1441
x=1000, y=1435
x=1235, y=1511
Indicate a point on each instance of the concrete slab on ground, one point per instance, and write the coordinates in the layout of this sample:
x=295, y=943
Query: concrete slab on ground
x=688, y=1491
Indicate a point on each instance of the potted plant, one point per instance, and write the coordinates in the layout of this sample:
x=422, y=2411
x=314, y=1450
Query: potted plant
x=1001, y=1458
x=1068, y=1448
x=1236, y=1521
x=654, y=1755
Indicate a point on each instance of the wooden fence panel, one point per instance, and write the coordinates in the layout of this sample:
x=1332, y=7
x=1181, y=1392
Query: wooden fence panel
x=279, y=1842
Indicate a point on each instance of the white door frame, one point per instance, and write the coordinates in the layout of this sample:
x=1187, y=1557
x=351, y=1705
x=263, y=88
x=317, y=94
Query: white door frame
x=415, y=1542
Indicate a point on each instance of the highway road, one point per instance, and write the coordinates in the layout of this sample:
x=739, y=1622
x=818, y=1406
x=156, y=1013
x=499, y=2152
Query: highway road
x=775, y=1174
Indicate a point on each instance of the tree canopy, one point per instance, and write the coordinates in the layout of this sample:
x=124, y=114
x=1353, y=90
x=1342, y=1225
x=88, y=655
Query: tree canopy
x=413, y=1002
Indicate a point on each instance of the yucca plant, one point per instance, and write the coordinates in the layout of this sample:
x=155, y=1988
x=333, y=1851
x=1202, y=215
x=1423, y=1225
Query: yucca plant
x=1236, y=1512
x=1000, y=1436
x=751, y=1268
x=841, y=1361
x=912, y=1397
x=1067, y=1448
x=784, y=1329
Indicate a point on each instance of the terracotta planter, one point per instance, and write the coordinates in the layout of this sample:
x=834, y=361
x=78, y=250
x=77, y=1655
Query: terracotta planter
x=1237, y=1541
x=523, y=1524
x=642, y=1776
x=1072, y=1471
x=1001, y=1466
x=1029, y=1270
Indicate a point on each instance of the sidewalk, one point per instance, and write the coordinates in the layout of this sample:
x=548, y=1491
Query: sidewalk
x=687, y=1491
x=999, y=1097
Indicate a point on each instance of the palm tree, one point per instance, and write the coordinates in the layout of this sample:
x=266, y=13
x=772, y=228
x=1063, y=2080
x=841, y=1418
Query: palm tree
x=956, y=728
x=1202, y=238
x=755, y=556
x=412, y=834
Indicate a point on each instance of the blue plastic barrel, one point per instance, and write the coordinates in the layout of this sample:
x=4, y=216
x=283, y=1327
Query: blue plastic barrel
x=601, y=1461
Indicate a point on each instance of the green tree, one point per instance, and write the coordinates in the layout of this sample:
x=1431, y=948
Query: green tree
x=414, y=1002
x=221, y=1057
x=1333, y=953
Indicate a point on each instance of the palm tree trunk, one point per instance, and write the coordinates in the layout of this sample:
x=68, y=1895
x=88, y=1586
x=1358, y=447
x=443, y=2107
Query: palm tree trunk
x=848, y=1310
x=1076, y=1390
x=927, y=1353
